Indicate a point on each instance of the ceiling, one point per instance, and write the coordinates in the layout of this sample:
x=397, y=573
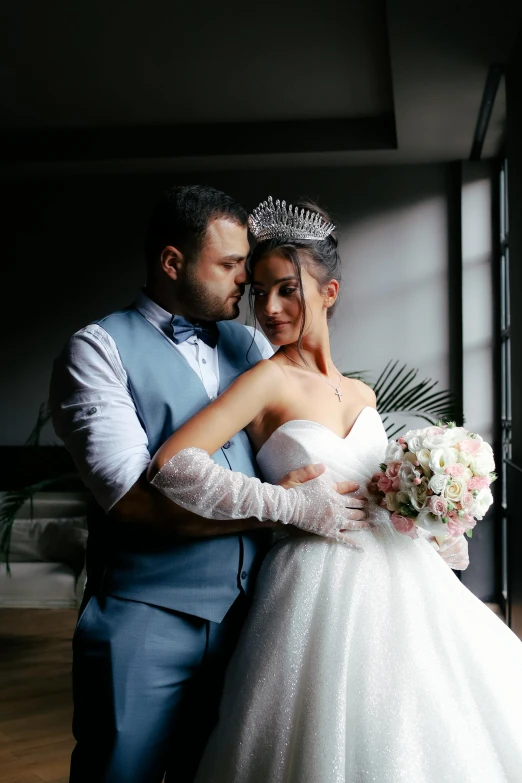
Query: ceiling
x=163, y=84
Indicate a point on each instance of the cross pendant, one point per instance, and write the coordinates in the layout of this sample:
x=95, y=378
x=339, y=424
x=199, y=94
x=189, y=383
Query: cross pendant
x=339, y=395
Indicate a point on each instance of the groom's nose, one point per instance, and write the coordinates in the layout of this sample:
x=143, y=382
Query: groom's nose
x=241, y=275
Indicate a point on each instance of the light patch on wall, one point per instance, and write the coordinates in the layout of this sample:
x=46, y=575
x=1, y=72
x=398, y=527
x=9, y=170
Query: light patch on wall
x=477, y=307
x=395, y=293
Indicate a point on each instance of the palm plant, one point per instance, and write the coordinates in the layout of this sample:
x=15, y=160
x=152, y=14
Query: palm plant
x=13, y=500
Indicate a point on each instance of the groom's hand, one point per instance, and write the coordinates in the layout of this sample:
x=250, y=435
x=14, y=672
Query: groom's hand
x=356, y=505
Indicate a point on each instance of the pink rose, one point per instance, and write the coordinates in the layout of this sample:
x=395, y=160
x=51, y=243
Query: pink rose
x=392, y=469
x=454, y=470
x=470, y=446
x=404, y=525
x=479, y=482
x=455, y=526
x=396, y=484
x=385, y=483
x=437, y=505
x=466, y=500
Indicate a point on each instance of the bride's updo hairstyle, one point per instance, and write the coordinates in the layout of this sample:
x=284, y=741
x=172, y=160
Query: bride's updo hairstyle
x=320, y=258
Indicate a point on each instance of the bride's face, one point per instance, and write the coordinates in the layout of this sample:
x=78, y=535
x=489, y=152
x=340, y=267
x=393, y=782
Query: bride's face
x=278, y=305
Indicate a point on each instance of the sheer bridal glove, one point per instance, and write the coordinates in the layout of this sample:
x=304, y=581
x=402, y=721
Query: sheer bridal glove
x=193, y=480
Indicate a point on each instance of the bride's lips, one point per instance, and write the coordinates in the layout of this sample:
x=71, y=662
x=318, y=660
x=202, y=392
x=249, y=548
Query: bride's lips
x=276, y=326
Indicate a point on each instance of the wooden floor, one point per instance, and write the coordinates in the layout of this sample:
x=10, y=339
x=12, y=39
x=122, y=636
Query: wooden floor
x=35, y=695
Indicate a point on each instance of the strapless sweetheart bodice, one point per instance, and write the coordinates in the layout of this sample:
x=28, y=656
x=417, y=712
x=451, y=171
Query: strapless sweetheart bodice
x=301, y=442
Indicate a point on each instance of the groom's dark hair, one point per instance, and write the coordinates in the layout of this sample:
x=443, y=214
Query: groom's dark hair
x=182, y=215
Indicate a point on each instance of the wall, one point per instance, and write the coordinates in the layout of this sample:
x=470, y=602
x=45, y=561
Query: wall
x=73, y=253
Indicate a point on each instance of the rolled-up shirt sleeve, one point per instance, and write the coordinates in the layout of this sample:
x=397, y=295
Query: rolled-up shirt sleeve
x=94, y=415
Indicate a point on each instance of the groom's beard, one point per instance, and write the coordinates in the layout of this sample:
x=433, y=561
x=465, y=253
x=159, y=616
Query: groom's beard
x=203, y=303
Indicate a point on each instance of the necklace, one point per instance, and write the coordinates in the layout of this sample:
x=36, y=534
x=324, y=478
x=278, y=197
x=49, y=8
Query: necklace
x=337, y=389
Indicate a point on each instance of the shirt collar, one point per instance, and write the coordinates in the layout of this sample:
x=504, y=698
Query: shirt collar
x=157, y=316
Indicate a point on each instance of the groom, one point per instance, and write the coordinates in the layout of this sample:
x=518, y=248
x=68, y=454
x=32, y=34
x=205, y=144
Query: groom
x=167, y=591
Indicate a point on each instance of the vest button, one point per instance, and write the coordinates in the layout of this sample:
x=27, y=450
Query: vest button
x=227, y=445
x=244, y=574
x=91, y=411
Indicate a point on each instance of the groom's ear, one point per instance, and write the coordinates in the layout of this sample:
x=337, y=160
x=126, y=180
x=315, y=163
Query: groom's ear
x=171, y=261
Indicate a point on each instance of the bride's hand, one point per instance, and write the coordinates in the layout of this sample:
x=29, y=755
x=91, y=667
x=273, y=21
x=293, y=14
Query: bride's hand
x=356, y=506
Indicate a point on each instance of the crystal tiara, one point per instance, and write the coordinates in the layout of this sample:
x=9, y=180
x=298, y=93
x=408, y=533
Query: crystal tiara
x=277, y=221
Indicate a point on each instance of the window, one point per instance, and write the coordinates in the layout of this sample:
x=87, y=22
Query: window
x=505, y=365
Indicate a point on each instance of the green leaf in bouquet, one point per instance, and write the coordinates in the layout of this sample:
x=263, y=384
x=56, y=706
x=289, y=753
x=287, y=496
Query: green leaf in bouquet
x=469, y=533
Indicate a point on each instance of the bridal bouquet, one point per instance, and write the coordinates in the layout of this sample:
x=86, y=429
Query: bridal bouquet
x=436, y=479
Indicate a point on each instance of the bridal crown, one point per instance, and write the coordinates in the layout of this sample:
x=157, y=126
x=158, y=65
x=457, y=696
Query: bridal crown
x=277, y=221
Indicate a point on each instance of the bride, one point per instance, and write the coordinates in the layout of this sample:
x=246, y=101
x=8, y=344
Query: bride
x=363, y=658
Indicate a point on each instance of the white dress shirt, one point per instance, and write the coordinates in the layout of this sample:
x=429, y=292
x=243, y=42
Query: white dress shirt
x=94, y=413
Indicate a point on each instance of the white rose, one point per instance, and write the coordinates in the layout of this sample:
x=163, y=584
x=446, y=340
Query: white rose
x=434, y=438
x=482, y=464
x=407, y=475
x=441, y=458
x=464, y=459
x=415, y=443
x=423, y=458
x=402, y=498
x=483, y=501
x=418, y=494
x=454, y=435
x=394, y=452
x=413, y=434
x=438, y=483
x=466, y=475
x=454, y=490
x=431, y=522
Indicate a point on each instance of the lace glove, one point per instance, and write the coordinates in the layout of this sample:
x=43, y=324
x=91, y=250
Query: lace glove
x=193, y=480
x=454, y=551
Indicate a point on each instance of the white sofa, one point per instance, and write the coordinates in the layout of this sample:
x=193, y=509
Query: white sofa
x=47, y=553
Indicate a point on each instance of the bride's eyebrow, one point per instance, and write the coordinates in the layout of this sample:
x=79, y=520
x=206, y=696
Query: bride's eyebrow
x=281, y=280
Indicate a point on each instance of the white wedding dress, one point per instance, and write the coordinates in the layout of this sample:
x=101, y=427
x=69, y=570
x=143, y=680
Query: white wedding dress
x=356, y=667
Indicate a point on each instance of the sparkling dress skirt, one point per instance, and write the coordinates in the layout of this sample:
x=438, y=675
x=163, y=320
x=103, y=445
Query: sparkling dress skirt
x=357, y=667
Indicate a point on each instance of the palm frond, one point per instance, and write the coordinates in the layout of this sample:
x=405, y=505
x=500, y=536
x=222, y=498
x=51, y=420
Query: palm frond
x=398, y=391
x=44, y=416
x=11, y=503
x=359, y=375
x=13, y=500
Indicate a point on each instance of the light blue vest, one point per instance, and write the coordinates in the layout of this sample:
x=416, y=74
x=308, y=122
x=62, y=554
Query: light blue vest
x=201, y=577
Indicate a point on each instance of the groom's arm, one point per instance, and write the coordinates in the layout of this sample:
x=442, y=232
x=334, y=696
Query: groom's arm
x=144, y=506
x=95, y=416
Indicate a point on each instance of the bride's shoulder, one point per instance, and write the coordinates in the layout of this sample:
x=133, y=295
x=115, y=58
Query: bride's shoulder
x=265, y=370
x=365, y=392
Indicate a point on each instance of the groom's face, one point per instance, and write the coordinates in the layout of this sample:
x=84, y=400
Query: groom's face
x=213, y=283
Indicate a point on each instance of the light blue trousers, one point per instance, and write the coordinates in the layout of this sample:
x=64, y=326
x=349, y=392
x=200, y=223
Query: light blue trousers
x=146, y=687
